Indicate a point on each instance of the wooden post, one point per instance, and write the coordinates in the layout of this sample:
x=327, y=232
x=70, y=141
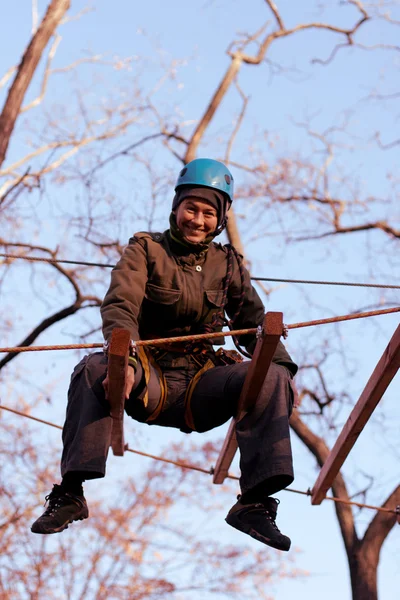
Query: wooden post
x=118, y=354
x=382, y=375
x=265, y=348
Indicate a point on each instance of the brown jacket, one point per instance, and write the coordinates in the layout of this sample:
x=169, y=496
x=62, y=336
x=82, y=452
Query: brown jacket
x=159, y=288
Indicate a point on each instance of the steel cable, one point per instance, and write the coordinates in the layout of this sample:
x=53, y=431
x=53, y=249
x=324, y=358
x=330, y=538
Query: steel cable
x=271, y=279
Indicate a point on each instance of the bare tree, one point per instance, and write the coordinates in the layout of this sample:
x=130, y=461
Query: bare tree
x=85, y=151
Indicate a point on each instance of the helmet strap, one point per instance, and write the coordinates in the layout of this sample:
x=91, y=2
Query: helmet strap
x=221, y=226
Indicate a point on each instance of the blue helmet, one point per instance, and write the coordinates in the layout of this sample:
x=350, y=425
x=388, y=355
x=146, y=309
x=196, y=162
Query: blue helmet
x=206, y=172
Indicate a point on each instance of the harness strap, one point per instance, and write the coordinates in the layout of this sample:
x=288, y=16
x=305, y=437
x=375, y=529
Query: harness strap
x=189, y=393
x=146, y=360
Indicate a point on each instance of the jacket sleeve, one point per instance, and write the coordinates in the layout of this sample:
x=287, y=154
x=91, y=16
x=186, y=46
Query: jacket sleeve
x=251, y=315
x=123, y=300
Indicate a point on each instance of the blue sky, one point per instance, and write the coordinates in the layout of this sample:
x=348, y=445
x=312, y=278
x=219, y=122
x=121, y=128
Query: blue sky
x=196, y=34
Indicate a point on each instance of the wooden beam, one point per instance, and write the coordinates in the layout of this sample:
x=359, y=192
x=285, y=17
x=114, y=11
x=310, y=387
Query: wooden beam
x=226, y=454
x=381, y=377
x=265, y=348
x=118, y=354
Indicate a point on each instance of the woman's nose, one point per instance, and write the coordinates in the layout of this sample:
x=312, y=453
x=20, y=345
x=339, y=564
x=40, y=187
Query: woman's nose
x=198, y=218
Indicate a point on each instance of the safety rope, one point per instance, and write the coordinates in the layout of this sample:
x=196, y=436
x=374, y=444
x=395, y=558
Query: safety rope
x=371, y=313
x=218, y=319
x=233, y=251
x=204, y=336
x=272, y=279
x=209, y=471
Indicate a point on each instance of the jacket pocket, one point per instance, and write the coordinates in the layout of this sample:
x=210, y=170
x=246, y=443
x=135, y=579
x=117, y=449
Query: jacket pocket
x=214, y=297
x=160, y=309
x=160, y=295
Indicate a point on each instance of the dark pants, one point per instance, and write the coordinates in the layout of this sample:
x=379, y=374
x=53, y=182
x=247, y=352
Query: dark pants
x=263, y=433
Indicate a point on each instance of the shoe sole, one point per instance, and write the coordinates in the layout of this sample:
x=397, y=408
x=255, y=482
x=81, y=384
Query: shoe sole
x=254, y=534
x=62, y=527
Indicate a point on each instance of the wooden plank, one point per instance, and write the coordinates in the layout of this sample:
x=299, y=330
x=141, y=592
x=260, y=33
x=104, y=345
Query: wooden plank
x=265, y=348
x=381, y=377
x=118, y=354
x=226, y=454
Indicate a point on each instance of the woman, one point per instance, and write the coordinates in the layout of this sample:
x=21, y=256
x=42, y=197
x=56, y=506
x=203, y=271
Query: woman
x=171, y=284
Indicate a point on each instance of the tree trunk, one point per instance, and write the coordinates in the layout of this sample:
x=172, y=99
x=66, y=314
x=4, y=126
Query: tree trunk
x=233, y=232
x=363, y=574
x=26, y=71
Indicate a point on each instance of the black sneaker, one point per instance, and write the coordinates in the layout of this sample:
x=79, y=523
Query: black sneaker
x=258, y=520
x=62, y=509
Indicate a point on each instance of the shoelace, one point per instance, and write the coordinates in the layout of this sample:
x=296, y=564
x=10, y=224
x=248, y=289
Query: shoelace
x=269, y=516
x=267, y=512
x=54, y=503
x=54, y=507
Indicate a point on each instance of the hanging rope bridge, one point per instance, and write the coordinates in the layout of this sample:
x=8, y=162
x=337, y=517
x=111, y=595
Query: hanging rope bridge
x=204, y=336
x=228, y=447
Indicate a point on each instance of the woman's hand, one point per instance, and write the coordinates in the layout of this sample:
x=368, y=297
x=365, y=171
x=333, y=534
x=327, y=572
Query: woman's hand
x=129, y=382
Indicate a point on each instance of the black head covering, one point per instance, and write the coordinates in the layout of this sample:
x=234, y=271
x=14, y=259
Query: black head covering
x=214, y=197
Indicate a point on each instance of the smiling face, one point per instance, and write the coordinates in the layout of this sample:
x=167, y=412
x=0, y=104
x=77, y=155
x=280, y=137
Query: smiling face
x=196, y=219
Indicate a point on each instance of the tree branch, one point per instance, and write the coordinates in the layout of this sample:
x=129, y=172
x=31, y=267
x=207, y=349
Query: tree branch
x=382, y=225
x=238, y=58
x=216, y=100
x=60, y=314
x=238, y=123
x=30, y=338
x=277, y=16
x=14, y=187
x=128, y=149
x=51, y=55
x=380, y=526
